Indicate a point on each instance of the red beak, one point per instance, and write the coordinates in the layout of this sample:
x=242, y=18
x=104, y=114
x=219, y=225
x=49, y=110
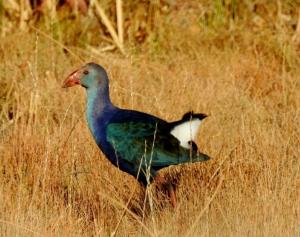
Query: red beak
x=72, y=80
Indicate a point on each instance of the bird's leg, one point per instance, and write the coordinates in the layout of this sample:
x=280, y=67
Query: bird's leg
x=171, y=192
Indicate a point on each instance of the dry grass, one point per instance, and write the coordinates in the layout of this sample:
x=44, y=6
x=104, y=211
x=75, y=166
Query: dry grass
x=55, y=182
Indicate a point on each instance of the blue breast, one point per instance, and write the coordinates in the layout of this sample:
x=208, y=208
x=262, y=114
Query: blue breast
x=98, y=126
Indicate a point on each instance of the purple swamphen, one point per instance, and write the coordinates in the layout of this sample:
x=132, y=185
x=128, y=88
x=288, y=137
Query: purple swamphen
x=137, y=143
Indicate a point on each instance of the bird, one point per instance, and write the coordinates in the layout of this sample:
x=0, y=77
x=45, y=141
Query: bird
x=137, y=143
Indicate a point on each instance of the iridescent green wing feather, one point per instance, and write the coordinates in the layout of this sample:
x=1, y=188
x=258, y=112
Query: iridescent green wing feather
x=146, y=144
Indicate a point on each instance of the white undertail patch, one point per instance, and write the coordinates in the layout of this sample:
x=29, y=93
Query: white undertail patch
x=186, y=131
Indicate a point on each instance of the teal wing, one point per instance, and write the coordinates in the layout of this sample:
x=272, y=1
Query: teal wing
x=147, y=145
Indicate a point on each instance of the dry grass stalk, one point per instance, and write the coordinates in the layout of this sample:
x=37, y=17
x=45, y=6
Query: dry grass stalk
x=204, y=209
x=127, y=210
x=120, y=21
x=97, y=51
x=101, y=14
x=57, y=43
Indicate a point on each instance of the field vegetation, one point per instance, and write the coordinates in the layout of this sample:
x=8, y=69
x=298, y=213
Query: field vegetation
x=237, y=61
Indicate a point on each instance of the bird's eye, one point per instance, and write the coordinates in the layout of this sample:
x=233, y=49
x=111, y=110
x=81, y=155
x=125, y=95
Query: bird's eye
x=85, y=72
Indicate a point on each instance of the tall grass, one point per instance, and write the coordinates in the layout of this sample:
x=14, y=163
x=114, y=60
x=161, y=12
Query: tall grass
x=243, y=71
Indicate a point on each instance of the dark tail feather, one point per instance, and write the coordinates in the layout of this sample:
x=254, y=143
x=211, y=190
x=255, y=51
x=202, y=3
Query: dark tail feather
x=201, y=157
x=197, y=155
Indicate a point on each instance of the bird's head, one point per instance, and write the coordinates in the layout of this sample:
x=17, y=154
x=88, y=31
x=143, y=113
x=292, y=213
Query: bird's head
x=89, y=76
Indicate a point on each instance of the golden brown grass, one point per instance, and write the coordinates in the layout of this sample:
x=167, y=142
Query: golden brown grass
x=54, y=181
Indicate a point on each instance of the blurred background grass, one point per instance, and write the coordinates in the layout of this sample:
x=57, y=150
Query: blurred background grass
x=237, y=61
x=163, y=26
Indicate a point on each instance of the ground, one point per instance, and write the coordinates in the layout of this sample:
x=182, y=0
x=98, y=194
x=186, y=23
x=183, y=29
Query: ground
x=54, y=181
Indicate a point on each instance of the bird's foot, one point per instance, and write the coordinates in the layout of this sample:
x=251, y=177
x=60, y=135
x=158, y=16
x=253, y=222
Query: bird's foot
x=170, y=188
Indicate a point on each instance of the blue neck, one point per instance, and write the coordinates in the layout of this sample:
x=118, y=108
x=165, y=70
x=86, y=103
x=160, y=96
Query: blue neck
x=98, y=103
